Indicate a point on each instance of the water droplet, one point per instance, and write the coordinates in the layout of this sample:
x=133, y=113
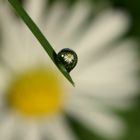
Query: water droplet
x=68, y=58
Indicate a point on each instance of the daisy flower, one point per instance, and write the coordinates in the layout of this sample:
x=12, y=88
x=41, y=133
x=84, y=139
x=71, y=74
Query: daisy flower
x=34, y=96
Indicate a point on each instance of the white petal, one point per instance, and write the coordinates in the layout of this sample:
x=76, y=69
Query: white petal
x=59, y=130
x=35, y=9
x=106, y=103
x=24, y=54
x=21, y=49
x=113, y=76
x=13, y=61
x=29, y=130
x=53, y=20
x=10, y=30
x=121, y=104
x=77, y=16
x=45, y=131
x=12, y=40
x=7, y=127
x=5, y=78
x=98, y=120
x=107, y=27
x=34, y=53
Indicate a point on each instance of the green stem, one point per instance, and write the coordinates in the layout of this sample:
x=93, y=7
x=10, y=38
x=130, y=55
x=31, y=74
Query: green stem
x=40, y=37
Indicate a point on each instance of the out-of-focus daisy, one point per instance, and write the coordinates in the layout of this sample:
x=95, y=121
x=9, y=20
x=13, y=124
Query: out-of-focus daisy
x=34, y=96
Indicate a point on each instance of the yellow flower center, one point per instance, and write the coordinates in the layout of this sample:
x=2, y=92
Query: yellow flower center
x=36, y=93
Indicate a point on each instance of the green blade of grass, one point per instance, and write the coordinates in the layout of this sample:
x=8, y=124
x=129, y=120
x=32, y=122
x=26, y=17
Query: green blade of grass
x=40, y=37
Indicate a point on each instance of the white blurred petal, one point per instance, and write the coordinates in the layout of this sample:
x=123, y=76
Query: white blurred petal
x=121, y=104
x=29, y=130
x=97, y=119
x=5, y=77
x=25, y=54
x=13, y=51
x=59, y=130
x=113, y=76
x=34, y=53
x=35, y=9
x=10, y=31
x=7, y=127
x=107, y=27
x=107, y=103
x=78, y=15
x=51, y=24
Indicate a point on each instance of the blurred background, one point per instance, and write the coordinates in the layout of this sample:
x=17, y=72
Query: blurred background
x=131, y=117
